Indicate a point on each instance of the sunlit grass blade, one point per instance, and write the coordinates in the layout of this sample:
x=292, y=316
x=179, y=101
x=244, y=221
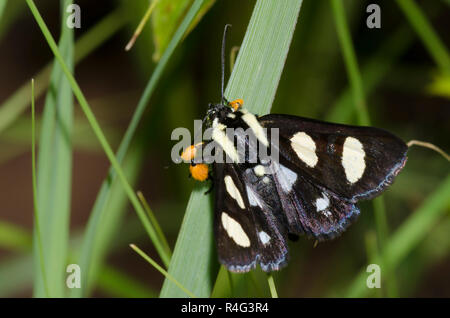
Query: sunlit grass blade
x=162, y=271
x=273, y=289
x=254, y=79
x=408, y=235
x=94, y=227
x=17, y=103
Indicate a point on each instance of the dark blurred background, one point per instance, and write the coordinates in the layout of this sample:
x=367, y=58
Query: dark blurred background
x=399, y=76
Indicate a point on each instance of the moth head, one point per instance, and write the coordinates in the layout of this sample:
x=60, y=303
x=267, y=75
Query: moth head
x=219, y=111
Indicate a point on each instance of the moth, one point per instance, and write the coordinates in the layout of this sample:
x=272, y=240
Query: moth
x=323, y=170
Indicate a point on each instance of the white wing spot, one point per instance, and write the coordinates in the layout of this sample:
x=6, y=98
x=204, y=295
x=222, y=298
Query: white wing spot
x=233, y=191
x=322, y=203
x=353, y=159
x=254, y=124
x=235, y=230
x=219, y=136
x=305, y=148
x=231, y=115
x=266, y=180
x=264, y=237
x=253, y=198
x=287, y=178
x=259, y=170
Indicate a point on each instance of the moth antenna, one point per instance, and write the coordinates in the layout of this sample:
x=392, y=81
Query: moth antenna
x=223, y=99
x=429, y=146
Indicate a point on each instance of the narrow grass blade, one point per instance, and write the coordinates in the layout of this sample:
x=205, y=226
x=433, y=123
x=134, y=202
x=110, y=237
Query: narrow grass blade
x=161, y=270
x=273, y=290
x=350, y=62
x=55, y=168
x=39, y=253
x=363, y=115
x=425, y=31
x=94, y=227
x=255, y=79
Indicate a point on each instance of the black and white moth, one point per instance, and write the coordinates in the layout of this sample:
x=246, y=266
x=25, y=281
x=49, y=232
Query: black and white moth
x=322, y=171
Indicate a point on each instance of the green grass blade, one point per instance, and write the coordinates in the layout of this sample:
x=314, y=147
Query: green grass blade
x=363, y=118
x=17, y=103
x=94, y=228
x=273, y=289
x=161, y=270
x=55, y=170
x=40, y=262
x=255, y=79
x=350, y=62
x=413, y=231
x=425, y=31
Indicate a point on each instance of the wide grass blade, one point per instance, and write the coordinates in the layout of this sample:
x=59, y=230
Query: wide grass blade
x=255, y=79
x=55, y=172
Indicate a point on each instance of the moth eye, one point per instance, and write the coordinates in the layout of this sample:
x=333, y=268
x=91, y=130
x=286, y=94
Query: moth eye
x=236, y=104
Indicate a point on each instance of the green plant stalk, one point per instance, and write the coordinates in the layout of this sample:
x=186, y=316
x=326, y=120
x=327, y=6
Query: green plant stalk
x=255, y=79
x=273, y=290
x=409, y=235
x=99, y=134
x=363, y=116
x=37, y=227
x=425, y=31
x=382, y=236
x=161, y=270
x=350, y=62
x=94, y=224
x=18, y=102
